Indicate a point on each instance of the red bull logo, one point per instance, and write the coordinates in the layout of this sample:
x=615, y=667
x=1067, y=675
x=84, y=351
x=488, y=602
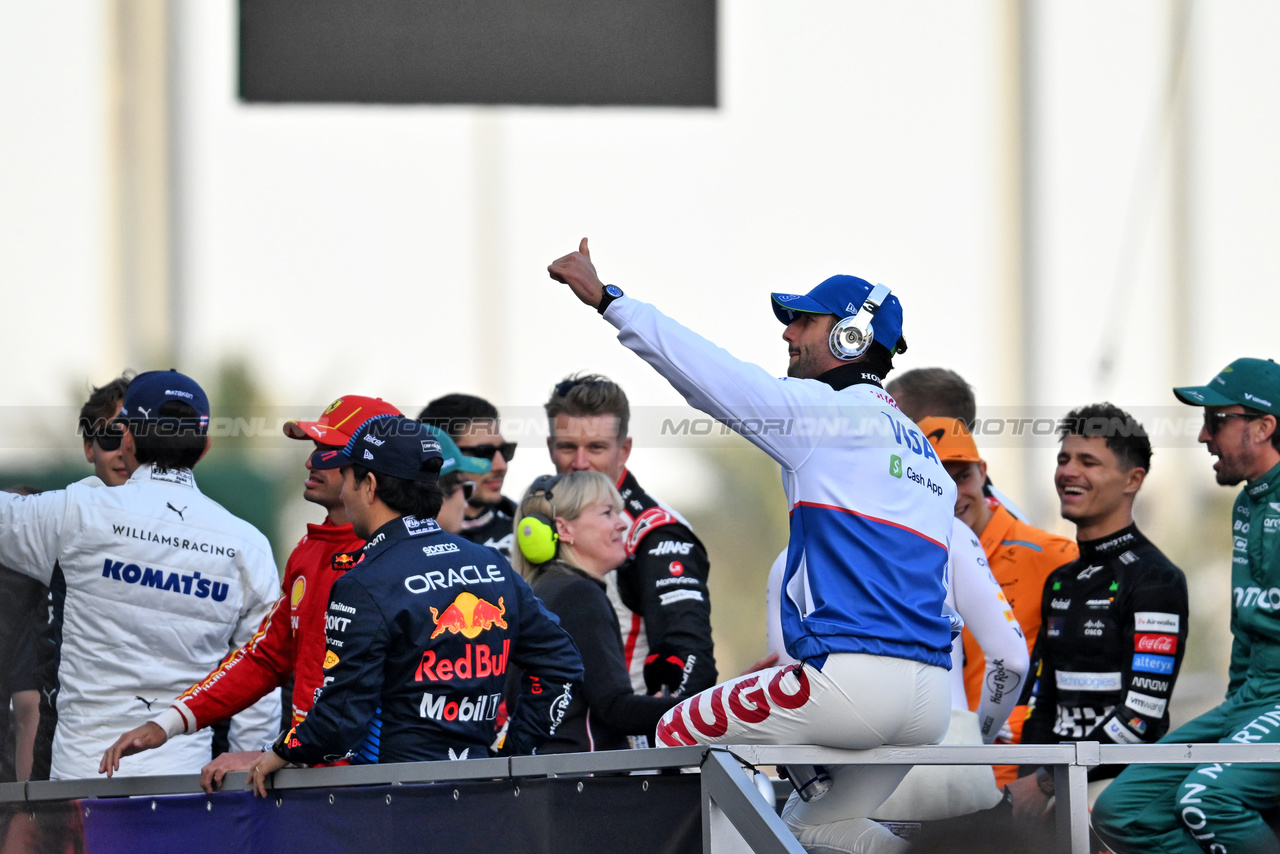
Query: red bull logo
x=468, y=616
x=344, y=561
x=478, y=662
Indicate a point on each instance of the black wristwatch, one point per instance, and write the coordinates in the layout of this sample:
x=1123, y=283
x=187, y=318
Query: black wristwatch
x=607, y=296
x=278, y=746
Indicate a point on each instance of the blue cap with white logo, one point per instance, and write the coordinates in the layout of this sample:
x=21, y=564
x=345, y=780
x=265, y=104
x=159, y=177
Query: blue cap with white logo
x=388, y=444
x=843, y=296
x=149, y=391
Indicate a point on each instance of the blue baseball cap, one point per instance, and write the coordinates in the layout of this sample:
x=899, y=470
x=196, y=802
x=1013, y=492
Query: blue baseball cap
x=151, y=390
x=454, y=459
x=843, y=296
x=388, y=444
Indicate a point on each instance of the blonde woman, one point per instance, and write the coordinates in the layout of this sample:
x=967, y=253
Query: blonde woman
x=569, y=537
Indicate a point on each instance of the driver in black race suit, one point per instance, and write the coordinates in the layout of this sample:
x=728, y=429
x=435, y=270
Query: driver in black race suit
x=1113, y=625
x=474, y=426
x=660, y=592
x=421, y=631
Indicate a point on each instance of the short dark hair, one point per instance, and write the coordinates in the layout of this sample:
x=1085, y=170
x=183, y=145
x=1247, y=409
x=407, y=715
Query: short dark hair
x=879, y=360
x=453, y=413
x=1275, y=433
x=586, y=395
x=172, y=440
x=925, y=392
x=101, y=405
x=1125, y=436
x=406, y=497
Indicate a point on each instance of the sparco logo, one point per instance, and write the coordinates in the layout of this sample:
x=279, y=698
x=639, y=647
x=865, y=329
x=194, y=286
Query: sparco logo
x=185, y=585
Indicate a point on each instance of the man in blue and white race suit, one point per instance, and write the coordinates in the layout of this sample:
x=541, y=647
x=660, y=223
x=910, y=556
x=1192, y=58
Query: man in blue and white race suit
x=871, y=521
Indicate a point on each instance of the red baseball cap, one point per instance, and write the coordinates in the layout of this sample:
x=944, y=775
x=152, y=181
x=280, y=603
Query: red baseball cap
x=340, y=420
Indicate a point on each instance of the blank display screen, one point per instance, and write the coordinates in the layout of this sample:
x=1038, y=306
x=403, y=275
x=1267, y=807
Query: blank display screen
x=560, y=52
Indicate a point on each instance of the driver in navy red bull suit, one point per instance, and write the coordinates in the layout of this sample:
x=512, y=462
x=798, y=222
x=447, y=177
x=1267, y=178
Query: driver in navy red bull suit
x=421, y=631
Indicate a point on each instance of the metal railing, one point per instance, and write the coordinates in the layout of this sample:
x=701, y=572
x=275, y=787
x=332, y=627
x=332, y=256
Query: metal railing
x=735, y=815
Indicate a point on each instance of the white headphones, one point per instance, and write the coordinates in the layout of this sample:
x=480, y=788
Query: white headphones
x=852, y=336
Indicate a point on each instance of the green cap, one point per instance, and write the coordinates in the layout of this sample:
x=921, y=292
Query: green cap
x=454, y=459
x=1254, y=383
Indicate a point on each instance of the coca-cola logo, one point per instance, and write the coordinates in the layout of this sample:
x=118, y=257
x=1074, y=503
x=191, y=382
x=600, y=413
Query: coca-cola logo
x=1162, y=644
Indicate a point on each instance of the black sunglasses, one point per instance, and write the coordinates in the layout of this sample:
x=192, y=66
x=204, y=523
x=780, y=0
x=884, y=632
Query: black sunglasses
x=486, y=452
x=108, y=437
x=1214, y=421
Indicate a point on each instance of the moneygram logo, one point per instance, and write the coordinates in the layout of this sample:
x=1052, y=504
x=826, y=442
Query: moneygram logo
x=468, y=616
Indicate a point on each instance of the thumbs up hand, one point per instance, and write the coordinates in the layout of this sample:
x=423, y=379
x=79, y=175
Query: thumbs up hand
x=577, y=271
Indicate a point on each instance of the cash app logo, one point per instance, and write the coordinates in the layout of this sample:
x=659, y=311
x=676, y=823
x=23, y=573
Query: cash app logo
x=895, y=465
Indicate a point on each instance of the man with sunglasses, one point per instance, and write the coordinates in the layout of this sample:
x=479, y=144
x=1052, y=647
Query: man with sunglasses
x=660, y=592
x=473, y=424
x=290, y=642
x=152, y=582
x=1217, y=807
x=101, y=433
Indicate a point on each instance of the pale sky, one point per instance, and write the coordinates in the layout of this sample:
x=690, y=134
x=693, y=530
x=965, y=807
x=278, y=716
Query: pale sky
x=388, y=249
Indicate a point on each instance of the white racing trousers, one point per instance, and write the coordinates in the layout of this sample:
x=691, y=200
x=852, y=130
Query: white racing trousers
x=855, y=701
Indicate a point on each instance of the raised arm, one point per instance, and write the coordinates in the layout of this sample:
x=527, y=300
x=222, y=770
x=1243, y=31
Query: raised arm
x=763, y=408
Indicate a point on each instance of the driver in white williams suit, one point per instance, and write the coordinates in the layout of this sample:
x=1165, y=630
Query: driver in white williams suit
x=151, y=584
x=871, y=521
